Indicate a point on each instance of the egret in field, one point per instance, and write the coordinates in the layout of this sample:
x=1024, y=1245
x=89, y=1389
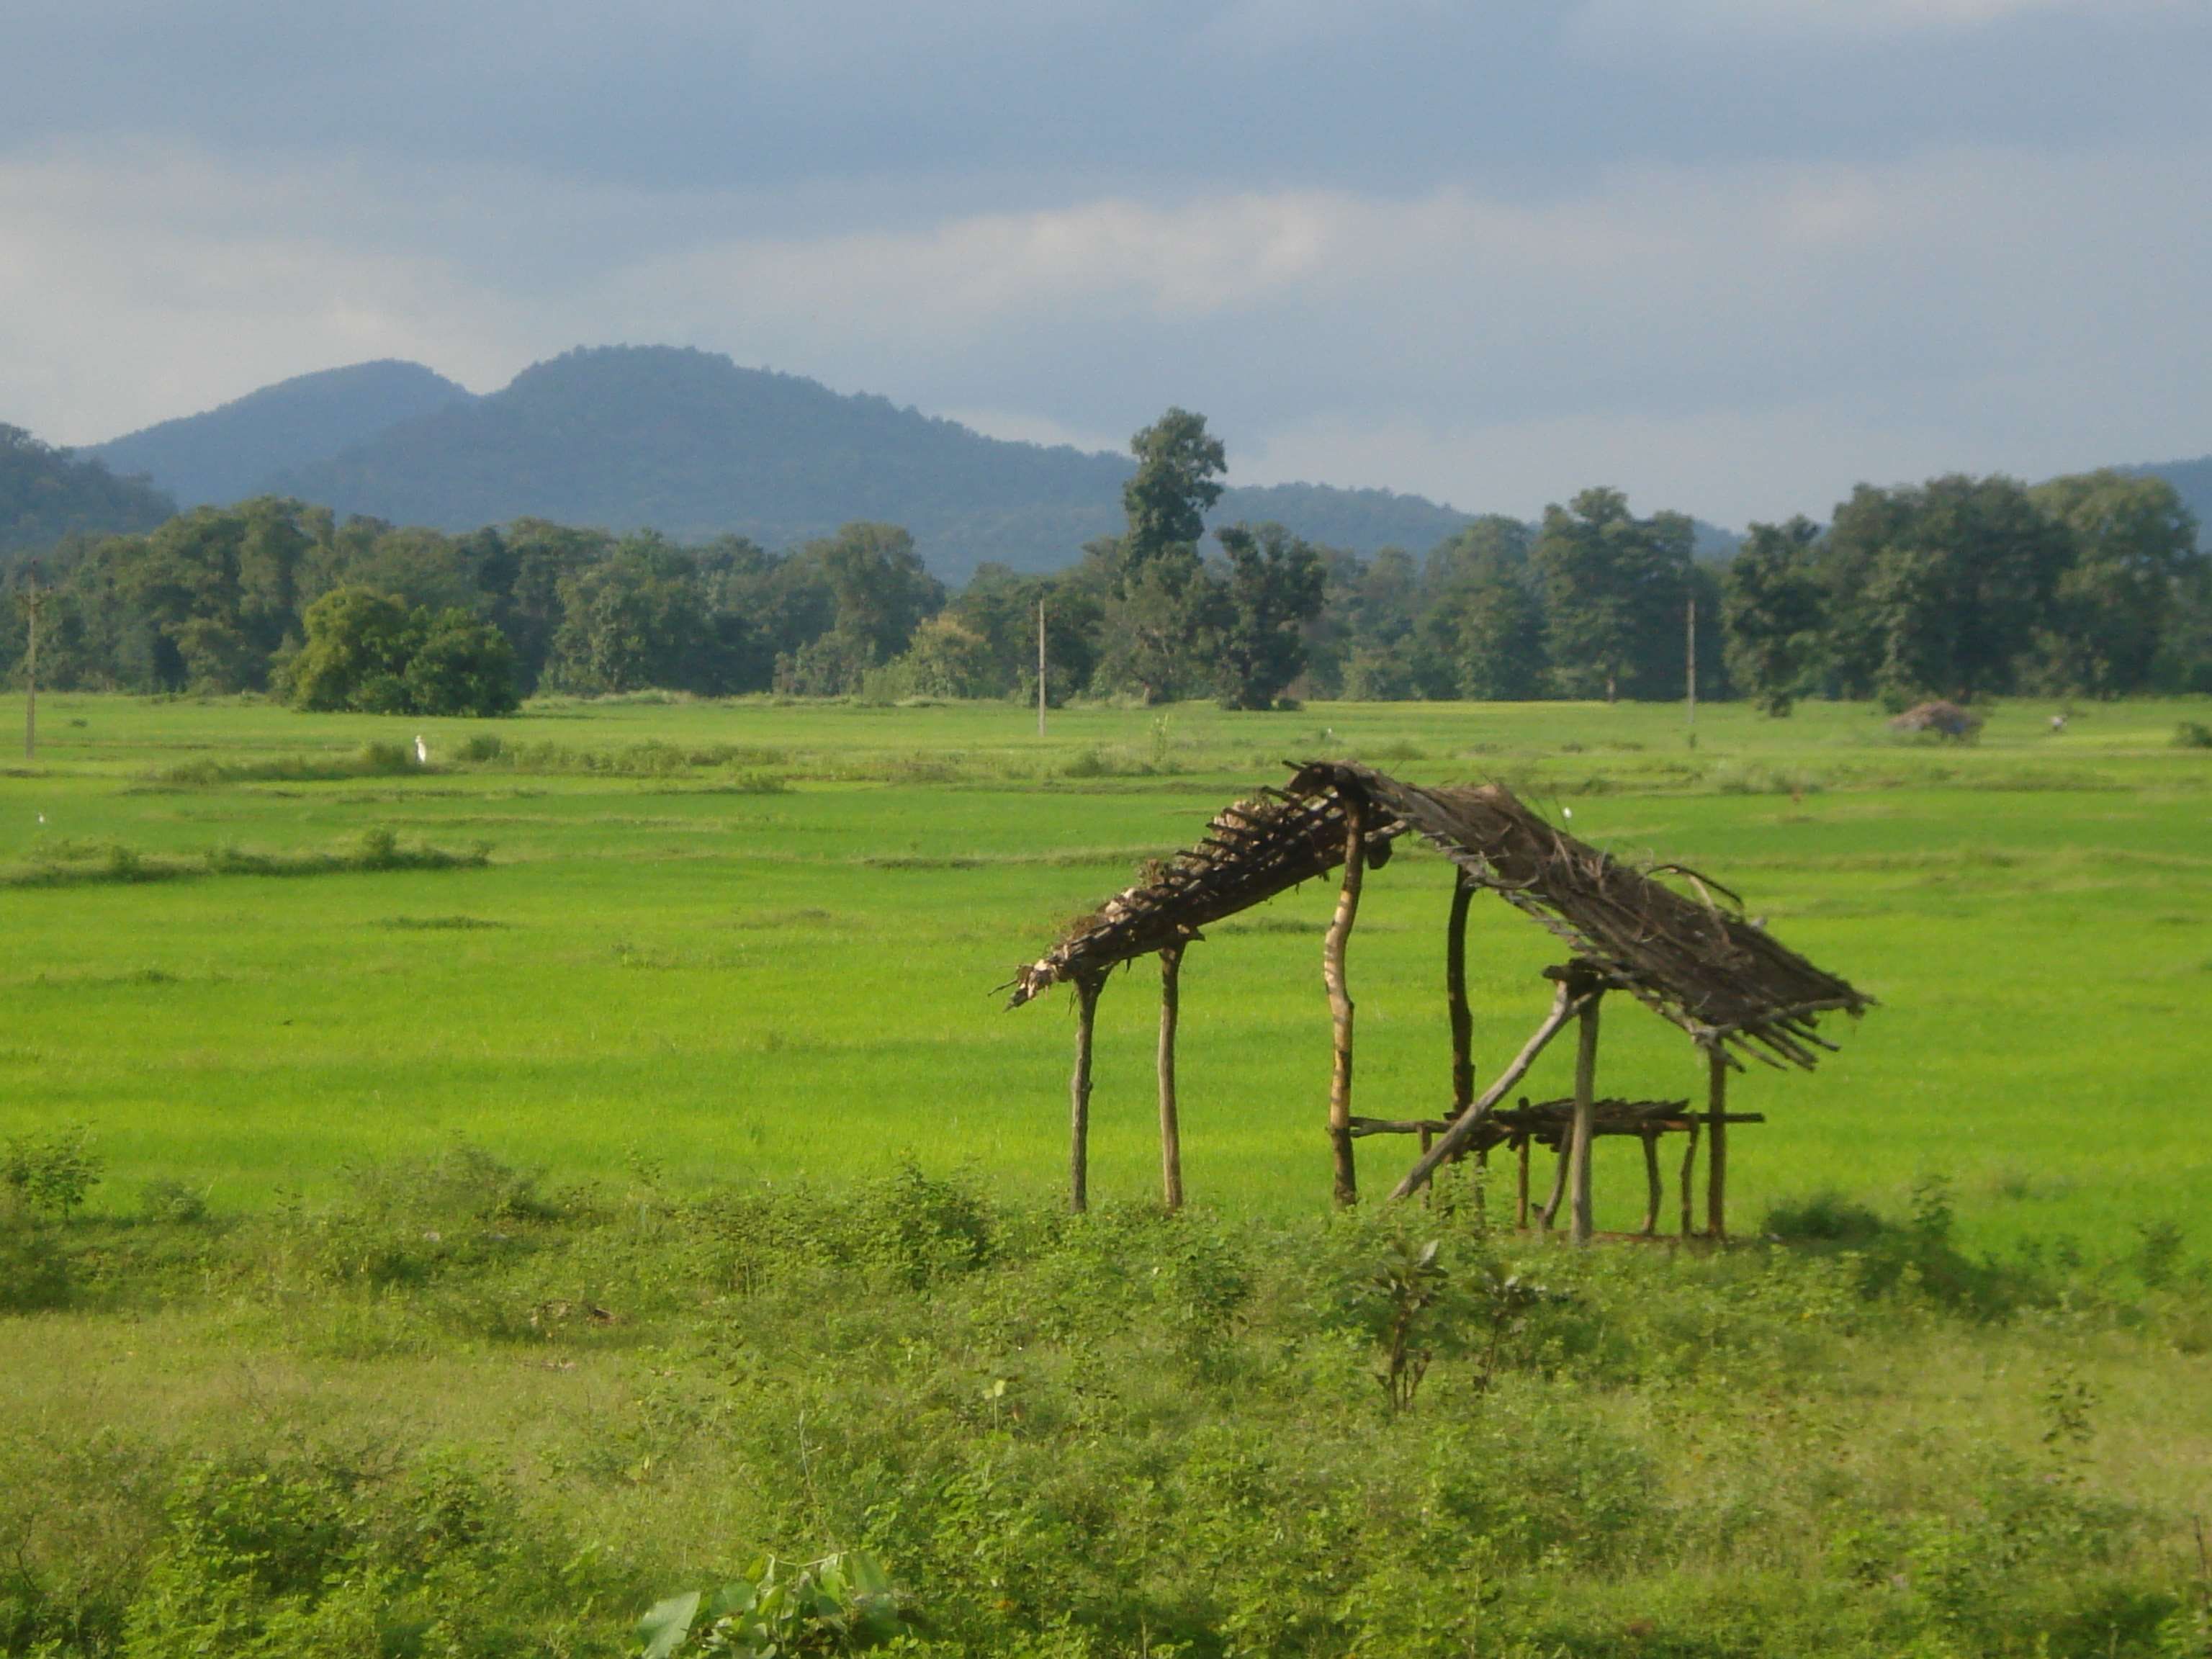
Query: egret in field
x=1568, y=813
x=422, y=751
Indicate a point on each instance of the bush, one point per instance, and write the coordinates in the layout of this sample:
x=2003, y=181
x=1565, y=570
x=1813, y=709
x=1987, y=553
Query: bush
x=373, y=655
x=2192, y=734
x=48, y=1174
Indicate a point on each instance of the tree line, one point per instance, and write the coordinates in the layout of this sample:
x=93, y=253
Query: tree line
x=1960, y=587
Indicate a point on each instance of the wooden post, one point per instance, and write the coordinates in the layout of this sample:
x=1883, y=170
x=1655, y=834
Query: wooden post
x=1078, y=1092
x=1716, y=1071
x=1171, y=1132
x=1339, y=1000
x=1653, y=1187
x=1689, y=1169
x=1521, y=1198
x=1578, y=1157
x=33, y=602
x=1691, y=678
x=1462, y=1023
x=1550, y=1212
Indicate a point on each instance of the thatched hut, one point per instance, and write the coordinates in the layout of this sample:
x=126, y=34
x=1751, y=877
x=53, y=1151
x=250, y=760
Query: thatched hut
x=1690, y=957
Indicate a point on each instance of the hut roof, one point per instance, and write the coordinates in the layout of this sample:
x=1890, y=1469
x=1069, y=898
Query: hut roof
x=1696, y=961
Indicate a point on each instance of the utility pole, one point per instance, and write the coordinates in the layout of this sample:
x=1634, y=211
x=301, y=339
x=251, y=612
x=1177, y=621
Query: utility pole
x=1040, y=664
x=1692, y=678
x=32, y=599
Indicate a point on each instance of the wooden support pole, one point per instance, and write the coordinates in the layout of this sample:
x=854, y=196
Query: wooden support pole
x=1716, y=1071
x=1462, y=1023
x=1689, y=1170
x=1579, y=1145
x=1550, y=1212
x=1520, y=1196
x=1078, y=1092
x=1339, y=1001
x=1566, y=1004
x=1171, y=1130
x=1654, y=1187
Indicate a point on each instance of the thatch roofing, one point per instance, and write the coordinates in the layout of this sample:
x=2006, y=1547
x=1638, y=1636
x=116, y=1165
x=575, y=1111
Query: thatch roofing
x=1695, y=961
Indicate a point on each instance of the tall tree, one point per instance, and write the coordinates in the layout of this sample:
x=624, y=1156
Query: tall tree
x=1179, y=466
x=2132, y=541
x=1958, y=596
x=1274, y=590
x=1615, y=588
x=1771, y=611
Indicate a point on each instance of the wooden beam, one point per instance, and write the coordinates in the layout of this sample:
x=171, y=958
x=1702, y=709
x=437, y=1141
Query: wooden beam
x=1689, y=1169
x=1521, y=1195
x=1171, y=1130
x=1716, y=1122
x=1462, y=1022
x=1078, y=1092
x=1346, y=1181
x=1578, y=1145
x=1566, y=1004
x=1654, y=1187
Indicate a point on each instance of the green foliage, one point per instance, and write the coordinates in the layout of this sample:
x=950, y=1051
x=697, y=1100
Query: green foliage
x=1274, y=590
x=1616, y=590
x=1773, y=612
x=2192, y=734
x=366, y=652
x=48, y=1173
x=842, y=1603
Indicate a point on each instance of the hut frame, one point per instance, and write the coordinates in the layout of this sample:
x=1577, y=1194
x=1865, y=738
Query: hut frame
x=1693, y=958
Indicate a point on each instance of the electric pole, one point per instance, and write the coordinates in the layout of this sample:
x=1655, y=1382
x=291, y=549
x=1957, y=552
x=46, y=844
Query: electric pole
x=1692, y=678
x=1040, y=664
x=32, y=599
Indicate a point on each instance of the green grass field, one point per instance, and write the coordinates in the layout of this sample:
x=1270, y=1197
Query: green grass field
x=749, y=939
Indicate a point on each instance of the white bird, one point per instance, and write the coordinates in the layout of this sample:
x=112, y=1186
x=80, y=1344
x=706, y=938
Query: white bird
x=1567, y=811
x=422, y=751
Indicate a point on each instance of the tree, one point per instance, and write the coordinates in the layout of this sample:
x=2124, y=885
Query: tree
x=1167, y=498
x=1615, y=589
x=1274, y=590
x=358, y=646
x=460, y=666
x=881, y=588
x=1771, y=611
x=628, y=621
x=2132, y=540
x=1958, y=594
x=1164, y=607
x=1499, y=629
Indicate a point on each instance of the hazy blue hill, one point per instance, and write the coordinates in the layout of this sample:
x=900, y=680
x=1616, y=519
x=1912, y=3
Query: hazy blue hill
x=46, y=494
x=233, y=452
x=688, y=443
x=2192, y=482
x=1362, y=519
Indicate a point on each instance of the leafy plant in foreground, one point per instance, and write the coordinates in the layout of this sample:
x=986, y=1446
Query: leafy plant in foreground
x=840, y=1603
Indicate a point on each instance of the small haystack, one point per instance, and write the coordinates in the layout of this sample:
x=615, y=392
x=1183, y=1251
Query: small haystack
x=1945, y=719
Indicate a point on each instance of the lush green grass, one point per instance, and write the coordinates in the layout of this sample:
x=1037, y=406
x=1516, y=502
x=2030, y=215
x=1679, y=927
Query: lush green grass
x=761, y=940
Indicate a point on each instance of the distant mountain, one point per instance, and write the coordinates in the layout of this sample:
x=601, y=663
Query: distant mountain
x=234, y=452
x=688, y=443
x=46, y=494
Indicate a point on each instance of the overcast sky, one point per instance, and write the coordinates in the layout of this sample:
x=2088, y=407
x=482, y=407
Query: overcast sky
x=1730, y=255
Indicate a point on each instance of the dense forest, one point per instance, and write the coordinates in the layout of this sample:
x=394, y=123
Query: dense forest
x=47, y=495
x=2089, y=585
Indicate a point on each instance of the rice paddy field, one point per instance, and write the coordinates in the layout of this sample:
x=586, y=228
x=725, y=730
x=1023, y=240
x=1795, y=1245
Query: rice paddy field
x=747, y=941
